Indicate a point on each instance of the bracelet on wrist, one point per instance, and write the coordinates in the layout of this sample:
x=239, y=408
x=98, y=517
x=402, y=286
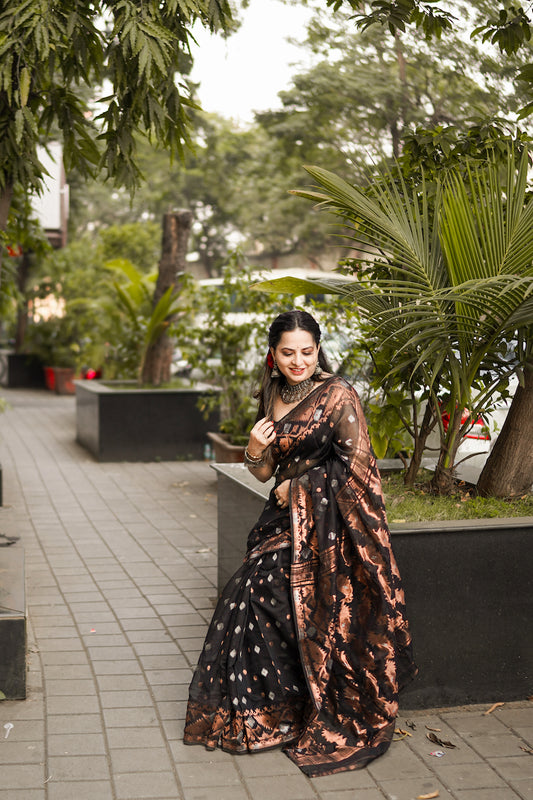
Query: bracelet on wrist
x=253, y=461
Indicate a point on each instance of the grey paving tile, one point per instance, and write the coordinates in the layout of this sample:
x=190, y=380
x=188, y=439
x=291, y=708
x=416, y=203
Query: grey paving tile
x=22, y=794
x=138, y=759
x=78, y=767
x=80, y=790
x=64, y=658
x=21, y=752
x=516, y=717
x=129, y=737
x=173, y=728
x=398, y=763
x=74, y=671
x=144, y=624
x=524, y=789
x=60, y=645
x=474, y=723
x=172, y=711
x=72, y=704
x=130, y=786
x=81, y=686
x=168, y=648
x=504, y=744
x=197, y=754
x=153, y=634
x=182, y=632
x=126, y=699
x=214, y=775
x=284, y=787
x=144, y=716
x=469, y=776
x=347, y=794
x=222, y=793
x=62, y=744
x=111, y=653
x=174, y=661
x=74, y=723
x=107, y=683
x=353, y=780
x=409, y=789
x=117, y=667
x=515, y=767
x=502, y=793
x=22, y=776
x=156, y=677
x=526, y=733
x=23, y=730
x=173, y=692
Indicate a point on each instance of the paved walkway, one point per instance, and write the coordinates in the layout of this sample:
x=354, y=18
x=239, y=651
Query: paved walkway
x=121, y=572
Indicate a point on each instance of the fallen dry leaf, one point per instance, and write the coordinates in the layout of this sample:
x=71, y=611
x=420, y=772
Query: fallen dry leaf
x=429, y=796
x=435, y=730
x=435, y=739
x=493, y=707
x=528, y=750
x=410, y=724
x=400, y=734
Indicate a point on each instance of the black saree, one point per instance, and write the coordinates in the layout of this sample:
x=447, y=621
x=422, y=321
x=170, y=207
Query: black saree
x=309, y=643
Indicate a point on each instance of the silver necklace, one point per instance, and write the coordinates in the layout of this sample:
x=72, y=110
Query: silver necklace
x=293, y=394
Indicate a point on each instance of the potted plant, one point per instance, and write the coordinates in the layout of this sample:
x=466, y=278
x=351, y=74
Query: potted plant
x=55, y=342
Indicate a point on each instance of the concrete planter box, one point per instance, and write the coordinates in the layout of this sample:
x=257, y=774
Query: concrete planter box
x=123, y=424
x=469, y=591
x=225, y=453
x=21, y=370
x=12, y=623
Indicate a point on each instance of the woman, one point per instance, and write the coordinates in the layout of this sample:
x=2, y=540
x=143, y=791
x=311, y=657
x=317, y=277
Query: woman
x=309, y=644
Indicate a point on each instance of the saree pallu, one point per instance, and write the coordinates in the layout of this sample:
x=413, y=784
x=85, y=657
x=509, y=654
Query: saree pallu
x=309, y=644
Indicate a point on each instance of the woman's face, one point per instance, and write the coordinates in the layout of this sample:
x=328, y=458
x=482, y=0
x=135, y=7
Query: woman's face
x=296, y=355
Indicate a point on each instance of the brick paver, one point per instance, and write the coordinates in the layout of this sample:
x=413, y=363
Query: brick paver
x=120, y=574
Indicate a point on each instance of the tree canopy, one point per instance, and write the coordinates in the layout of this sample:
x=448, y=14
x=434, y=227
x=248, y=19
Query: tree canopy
x=129, y=59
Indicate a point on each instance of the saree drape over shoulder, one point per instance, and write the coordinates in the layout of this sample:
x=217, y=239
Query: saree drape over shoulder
x=309, y=644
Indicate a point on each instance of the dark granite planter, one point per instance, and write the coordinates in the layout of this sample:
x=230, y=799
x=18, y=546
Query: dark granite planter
x=469, y=595
x=21, y=370
x=12, y=623
x=123, y=424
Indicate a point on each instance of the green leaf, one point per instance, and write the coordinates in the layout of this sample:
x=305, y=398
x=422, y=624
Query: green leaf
x=298, y=286
x=24, y=85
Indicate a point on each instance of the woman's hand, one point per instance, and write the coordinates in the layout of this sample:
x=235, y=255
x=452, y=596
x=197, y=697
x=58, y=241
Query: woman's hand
x=282, y=493
x=261, y=436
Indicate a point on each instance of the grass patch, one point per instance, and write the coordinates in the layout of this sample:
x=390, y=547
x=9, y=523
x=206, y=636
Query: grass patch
x=175, y=383
x=418, y=504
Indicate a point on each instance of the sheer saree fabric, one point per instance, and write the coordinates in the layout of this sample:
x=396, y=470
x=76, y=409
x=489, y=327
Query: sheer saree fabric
x=309, y=644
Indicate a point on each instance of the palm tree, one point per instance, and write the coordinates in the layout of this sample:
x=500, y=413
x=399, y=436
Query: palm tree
x=445, y=279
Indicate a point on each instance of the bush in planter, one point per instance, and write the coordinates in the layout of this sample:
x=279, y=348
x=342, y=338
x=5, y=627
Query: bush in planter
x=227, y=344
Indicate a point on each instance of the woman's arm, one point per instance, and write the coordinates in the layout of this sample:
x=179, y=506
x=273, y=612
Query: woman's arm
x=256, y=454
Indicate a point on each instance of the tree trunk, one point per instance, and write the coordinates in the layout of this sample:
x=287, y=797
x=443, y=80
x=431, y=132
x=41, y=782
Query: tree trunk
x=22, y=307
x=175, y=239
x=428, y=423
x=508, y=470
x=5, y=203
x=443, y=479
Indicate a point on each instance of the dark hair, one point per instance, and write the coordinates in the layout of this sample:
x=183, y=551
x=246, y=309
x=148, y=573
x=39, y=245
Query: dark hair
x=287, y=321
